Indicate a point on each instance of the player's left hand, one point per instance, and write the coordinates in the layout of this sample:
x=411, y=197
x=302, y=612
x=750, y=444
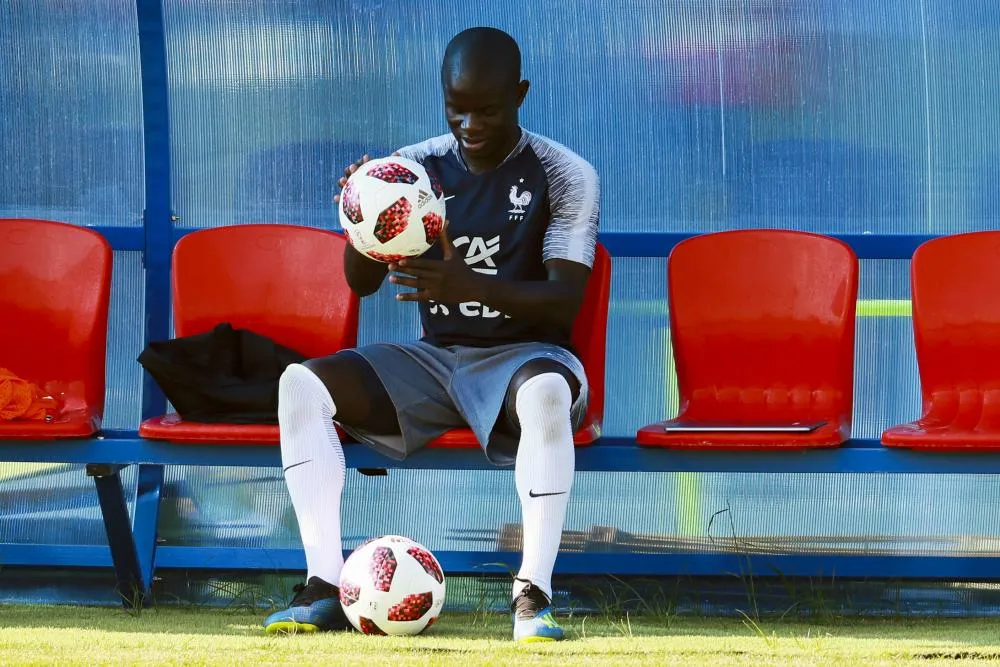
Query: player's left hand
x=448, y=280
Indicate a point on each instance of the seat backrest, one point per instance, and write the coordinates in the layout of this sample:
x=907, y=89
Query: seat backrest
x=762, y=326
x=590, y=332
x=280, y=281
x=955, y=284
x=55, y=286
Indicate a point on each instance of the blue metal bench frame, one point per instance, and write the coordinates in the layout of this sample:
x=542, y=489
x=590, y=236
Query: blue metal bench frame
x=133, y=551
x=134, y=554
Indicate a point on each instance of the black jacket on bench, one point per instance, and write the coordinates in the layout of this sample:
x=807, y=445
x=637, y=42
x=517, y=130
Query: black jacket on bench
x=224, y=376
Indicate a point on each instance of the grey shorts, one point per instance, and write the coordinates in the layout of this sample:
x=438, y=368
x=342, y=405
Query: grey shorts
x=436, y=389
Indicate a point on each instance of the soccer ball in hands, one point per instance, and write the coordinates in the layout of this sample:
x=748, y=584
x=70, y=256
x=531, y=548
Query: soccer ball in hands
x=391, y=585
x=392, y=208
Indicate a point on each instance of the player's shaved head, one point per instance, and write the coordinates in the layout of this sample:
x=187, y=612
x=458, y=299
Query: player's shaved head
x=483, y=90
x=484, y=54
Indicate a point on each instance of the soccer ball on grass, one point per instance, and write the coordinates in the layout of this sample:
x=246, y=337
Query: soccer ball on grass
x=391, y=585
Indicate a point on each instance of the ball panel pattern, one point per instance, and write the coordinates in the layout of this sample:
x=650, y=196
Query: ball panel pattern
x=393, y=220
x=369, y=627
x=382, y=568
x=393, y=172
x=349, y=593
x=352, y=203
x=412, y=607
x=428, y=562
x=432, y=227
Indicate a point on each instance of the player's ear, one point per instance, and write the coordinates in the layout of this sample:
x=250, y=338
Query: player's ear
x=522, y=92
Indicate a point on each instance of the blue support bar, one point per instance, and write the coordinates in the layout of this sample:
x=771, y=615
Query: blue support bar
x=884, y=246
x=622, y=563
x=54, y=555
x=128, y=575
x=134, y=577
x=123, y=238
x=146, y=518
x=609, y=454
x=882, y=566
x=158, y=219
x=659, y=244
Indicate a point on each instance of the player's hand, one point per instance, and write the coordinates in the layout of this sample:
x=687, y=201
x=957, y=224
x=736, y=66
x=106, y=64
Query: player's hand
x=350, y=169
x=448, y=280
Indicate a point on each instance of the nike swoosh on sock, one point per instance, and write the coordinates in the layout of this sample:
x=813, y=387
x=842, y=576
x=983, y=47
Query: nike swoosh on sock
x=539, y=495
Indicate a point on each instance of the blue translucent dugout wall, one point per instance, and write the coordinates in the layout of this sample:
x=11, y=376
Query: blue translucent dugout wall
x=832, y=116
x=71, y=149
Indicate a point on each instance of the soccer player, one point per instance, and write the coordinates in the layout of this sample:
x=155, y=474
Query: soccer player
x=497, y=295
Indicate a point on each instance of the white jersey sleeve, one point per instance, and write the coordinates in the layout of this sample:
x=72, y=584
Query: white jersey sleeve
x=434, y=146
x=574, y=199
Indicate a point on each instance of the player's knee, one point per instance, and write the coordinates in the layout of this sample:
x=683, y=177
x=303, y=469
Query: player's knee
x=550, y=389
x=300, y=392
x=546, y=393
x=537, y=367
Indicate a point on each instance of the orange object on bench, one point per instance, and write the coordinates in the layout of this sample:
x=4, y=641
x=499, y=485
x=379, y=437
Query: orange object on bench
x=55, y=286
x=762, y=327
x=955, y=283
x=21, y=399
x=281, y=281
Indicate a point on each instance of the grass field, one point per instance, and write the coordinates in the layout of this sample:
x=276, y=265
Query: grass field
x=170, y=635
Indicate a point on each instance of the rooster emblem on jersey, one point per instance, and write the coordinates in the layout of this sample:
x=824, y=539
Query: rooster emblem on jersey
x=519, y=200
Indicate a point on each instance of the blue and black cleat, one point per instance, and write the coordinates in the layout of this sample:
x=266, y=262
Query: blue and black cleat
x=533, y=619
x=315, y=608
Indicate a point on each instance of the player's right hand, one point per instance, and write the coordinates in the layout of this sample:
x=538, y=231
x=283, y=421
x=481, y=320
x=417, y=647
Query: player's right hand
x=350, y=169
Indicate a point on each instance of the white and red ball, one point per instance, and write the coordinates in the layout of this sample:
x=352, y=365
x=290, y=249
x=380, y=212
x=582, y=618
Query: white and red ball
x=392, y=208
x=392, y=585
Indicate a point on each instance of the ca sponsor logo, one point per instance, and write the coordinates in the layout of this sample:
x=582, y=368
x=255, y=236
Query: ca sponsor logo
x=479, y=252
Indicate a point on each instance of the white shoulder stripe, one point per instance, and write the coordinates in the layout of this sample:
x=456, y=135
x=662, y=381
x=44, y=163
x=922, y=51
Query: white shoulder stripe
x=574, y=197
x=435, y=146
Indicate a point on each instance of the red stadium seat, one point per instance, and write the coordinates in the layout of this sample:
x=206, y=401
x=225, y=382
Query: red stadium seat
x=281, y=281
x=956, y=324
x=589, y=338
x=55, y=285
x=762, y=326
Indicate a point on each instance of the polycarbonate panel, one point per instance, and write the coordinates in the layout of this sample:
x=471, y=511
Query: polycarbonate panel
x=833, y=116
x=46, y=503
x=123, y=374
x=71, y=119
x=661, y=512
x=640, y=385
x=886, y=378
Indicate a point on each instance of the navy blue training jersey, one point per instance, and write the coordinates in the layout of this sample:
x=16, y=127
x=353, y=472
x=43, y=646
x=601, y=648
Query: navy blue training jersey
x=542, y=202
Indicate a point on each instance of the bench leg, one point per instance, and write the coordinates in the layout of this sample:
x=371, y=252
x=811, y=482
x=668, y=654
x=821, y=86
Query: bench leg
x=118, y=526
x=146, y=519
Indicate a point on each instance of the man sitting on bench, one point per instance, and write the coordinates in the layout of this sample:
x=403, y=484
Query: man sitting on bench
x=497, y=295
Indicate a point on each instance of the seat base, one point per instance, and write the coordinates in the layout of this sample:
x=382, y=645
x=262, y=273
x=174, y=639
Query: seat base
x=73, y=424
x=922, y=434
x=464, y=438
x=173, y=428
x=832, y=434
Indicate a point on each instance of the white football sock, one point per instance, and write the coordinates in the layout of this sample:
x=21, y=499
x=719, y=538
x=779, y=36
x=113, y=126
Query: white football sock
x=543, y=473
x=313, y=461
